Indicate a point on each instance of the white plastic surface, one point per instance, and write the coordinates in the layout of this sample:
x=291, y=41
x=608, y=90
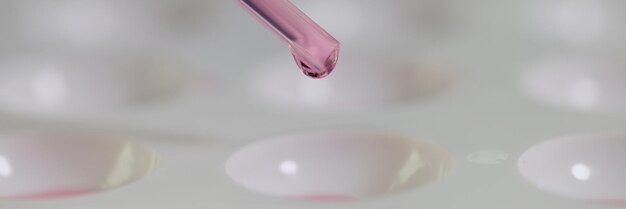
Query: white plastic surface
x=60, y=165
x=581, y=83
x=336, y=166
x=575, y=23
x=483, y=118
x=79, y=85
x=587, y=167
x=107, y=24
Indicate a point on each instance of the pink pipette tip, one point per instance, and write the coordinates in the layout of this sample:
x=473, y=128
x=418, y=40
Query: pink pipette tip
x=316, y=52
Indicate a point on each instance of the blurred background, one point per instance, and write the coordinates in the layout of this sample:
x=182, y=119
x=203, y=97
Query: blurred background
x=185, y=69
x=92, y=56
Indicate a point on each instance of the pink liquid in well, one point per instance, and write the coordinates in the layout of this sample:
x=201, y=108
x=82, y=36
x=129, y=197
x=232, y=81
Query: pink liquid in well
x=316, y=52
x=55, y=194
x=617, y=202
x=325, y=198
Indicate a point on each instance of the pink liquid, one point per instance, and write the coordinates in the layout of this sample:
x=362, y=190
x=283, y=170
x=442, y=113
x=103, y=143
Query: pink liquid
x=55, y=194
x=315, y=51
x=617, y=202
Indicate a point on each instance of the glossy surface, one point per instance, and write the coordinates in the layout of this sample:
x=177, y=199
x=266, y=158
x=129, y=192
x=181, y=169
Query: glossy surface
x=585, y=83
x=334, y=166
x=316, y=52
x=483, y=109
x=55, y=165
x=587, y=167
x=68, y=85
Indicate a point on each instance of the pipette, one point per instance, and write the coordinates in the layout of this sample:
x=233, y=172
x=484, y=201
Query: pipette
x=315, y=50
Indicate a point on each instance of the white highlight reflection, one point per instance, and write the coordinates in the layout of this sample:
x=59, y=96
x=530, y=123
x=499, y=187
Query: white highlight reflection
x=68, y=84
x=587, y=167
x=352, y=164
x=581, y=172
x=590, y=84
x=289, y=167
x=6, y=170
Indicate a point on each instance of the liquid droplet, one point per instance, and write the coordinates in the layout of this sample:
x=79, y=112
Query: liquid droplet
x=314, y=49
x=317, y=71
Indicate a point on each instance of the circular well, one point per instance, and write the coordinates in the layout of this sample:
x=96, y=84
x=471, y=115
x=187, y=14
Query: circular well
x=78, y=84
x=336, y=166
x=54, y=165
x=583, y=83
x=587, y=167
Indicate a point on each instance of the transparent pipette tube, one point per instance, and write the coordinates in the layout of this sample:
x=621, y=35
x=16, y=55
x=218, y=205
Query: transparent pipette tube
x=315, y=50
